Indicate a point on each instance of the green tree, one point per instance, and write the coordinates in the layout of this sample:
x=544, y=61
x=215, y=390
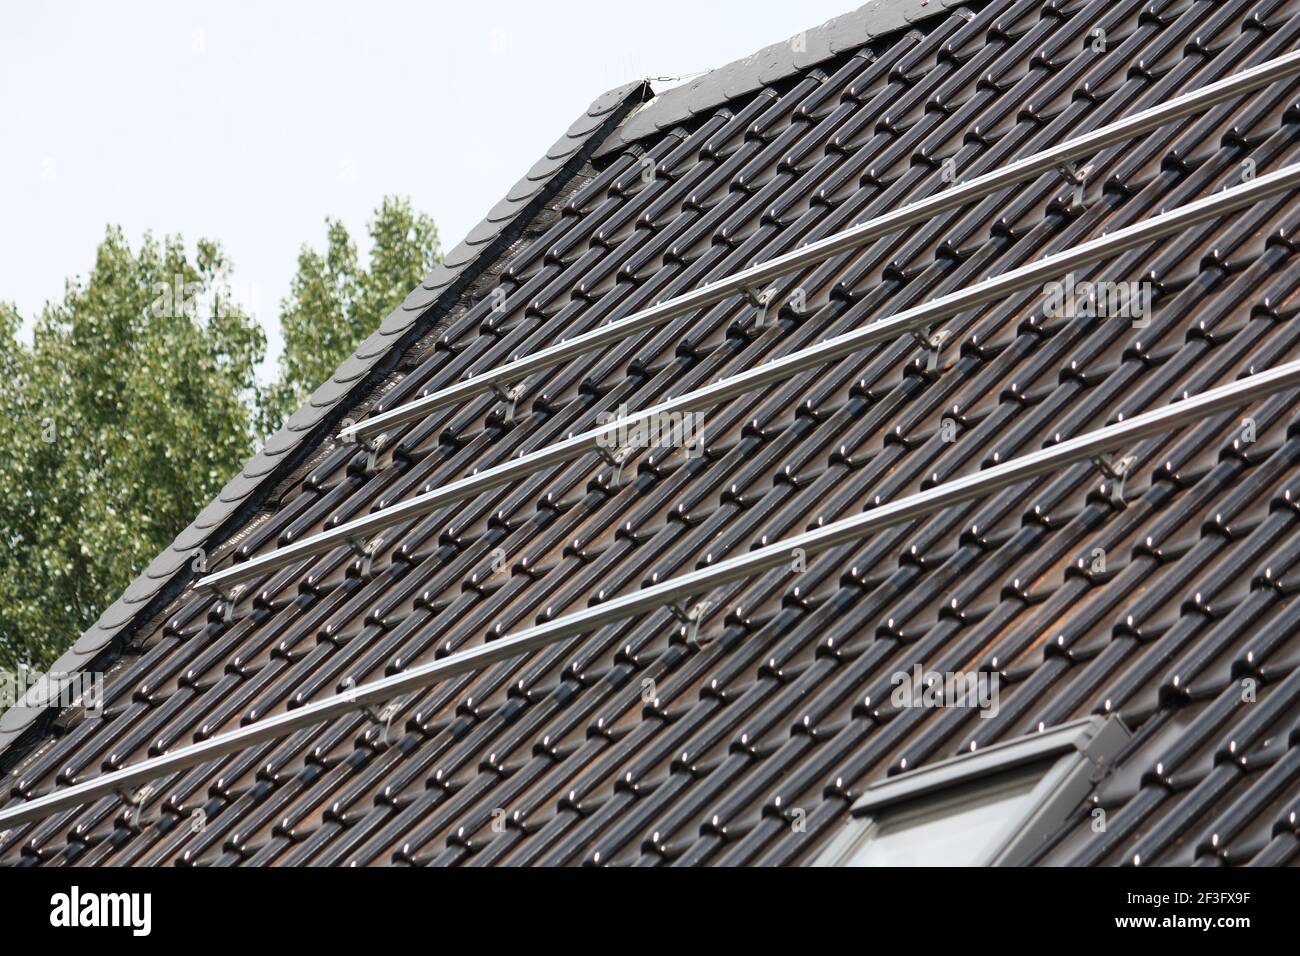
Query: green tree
x=334, y=303
x=137, y=399
x=124, y=417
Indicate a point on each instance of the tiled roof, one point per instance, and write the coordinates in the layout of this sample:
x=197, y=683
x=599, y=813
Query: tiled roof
x=632, y=745
x=294, y=446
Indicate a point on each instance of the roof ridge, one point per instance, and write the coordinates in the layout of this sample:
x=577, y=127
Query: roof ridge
x=773, y=63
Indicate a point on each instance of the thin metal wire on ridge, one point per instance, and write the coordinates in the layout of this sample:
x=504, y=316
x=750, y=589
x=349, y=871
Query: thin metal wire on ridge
x=358, y=532
x=1189, y=410
x=747, y=280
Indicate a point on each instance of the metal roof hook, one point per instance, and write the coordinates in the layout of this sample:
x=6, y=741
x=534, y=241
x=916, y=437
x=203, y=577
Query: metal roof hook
x=617, y=459
x=229, y=597
x=371, y=446
x=383, y=717
x=135, y=800
x=933, y=343
x=1117, y=472
x=761, y=301
x=1078, y=177
x=692, y=617
x=365, y=553
x=510, y=396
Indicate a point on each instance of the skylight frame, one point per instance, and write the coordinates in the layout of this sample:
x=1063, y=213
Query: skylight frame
x=1081, y=750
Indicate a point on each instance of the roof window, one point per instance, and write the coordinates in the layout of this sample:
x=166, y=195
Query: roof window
x=991, y=807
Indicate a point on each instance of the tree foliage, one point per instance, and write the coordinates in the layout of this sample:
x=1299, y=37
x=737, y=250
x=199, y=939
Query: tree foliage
x=128, y=412
x=136, y=400
x=334, y=302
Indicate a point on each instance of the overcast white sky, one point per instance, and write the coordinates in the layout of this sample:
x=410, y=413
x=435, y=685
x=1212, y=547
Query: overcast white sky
x=249, y=122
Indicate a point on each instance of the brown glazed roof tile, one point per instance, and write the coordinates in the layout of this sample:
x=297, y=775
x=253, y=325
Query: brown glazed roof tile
x=632, y=745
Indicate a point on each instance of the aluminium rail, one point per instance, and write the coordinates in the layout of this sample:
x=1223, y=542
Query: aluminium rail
x=1090, y=446
x=354, y=533
x=746, y=281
